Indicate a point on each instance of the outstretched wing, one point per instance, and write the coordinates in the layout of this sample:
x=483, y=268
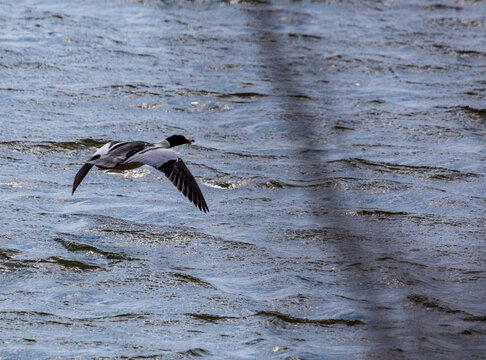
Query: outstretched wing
x=80, y=176
x=173, y=167
x=179, y=174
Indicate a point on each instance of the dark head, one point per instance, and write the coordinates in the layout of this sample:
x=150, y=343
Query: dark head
x=175, y=140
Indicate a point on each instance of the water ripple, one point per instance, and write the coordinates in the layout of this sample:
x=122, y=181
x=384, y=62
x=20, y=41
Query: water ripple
x=287, y=319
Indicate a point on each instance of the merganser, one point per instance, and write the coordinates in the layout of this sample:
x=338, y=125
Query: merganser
x=131, y=155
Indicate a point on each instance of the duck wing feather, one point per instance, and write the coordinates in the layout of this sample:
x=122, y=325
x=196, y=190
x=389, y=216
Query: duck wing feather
x=175, y=169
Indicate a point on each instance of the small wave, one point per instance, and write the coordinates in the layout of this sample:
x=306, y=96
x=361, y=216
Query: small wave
x=251, y=2
x=138, y=89
x=51, y=146
x=420, y=171
x=78, y=247
x=208, y=106
x=440, y=7
x=11, y=89
x=236, y=97
x=35, y=65
x=220, y=107
x=189, y=279
x=252, y=156
x=7, y=265
x=272, y=184
x=135, y=174
x=199, y=106
x=146, y=106
x=470, y=53
x=17, y=185
x=70, y=264
x=142, y=231
x=240, y=97
x=111, y=224
x=7, y=254
x=28, y=313
x=191, y=92
x=224, y=67
x=126, y=86
x=342, y=127
x=305, y=36
x=251, y=182
x=128, y=53
x=275, y=184
x=116, y=318
x=320, y=322
x=431, y=303
x=475, y=111
x=226, y=185
x=459, y=52
x=377, y=213
x=121, y=231
x=145, y=93
x=402, y=261
x=476, y=318
x=211, y=318
x=199, y=352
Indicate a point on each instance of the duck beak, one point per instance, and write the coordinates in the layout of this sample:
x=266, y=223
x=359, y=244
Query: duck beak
x=190, y=141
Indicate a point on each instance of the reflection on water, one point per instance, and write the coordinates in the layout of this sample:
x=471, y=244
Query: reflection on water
x=338, y=145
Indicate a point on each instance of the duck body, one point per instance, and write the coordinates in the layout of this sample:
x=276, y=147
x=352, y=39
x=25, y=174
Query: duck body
x=131, y=155
x=116, y=155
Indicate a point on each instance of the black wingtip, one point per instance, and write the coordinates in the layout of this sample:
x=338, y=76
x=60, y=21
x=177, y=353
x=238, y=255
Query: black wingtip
x=177, y=172
x=202, y=206
x=80, y=176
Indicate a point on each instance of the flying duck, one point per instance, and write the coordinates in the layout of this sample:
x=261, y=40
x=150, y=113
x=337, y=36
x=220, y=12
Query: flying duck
x=131, y=155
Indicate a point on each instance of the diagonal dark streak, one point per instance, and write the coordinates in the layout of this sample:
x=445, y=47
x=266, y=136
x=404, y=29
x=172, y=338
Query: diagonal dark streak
x=299, y=119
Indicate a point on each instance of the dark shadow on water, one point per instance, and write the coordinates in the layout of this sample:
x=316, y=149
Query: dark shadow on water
x=349, y=237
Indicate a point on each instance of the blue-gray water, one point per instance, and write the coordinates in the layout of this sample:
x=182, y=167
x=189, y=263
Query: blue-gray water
x=340, y=147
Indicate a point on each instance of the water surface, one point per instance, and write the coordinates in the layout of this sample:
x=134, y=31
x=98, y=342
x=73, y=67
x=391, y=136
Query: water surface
x=340, y=148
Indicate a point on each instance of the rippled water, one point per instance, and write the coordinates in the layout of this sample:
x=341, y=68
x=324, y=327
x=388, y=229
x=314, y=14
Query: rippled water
x=339, y=145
